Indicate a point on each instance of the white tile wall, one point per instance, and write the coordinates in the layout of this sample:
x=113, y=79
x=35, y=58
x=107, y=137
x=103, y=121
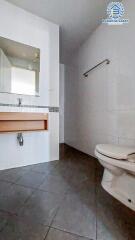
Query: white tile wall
x=61, y=96
x=101, y=108
x=54, y=135
x=19, y=25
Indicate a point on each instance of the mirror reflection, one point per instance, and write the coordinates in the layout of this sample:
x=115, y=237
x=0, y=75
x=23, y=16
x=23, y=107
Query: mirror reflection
x=19, y=68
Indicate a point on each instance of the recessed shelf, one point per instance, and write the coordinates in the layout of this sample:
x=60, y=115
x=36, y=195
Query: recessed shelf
x=19, y=121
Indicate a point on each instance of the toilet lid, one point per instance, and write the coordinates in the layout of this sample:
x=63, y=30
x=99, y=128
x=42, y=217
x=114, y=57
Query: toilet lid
x=115, y=151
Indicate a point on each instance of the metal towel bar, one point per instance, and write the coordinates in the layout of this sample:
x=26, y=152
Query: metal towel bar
x=107, y=62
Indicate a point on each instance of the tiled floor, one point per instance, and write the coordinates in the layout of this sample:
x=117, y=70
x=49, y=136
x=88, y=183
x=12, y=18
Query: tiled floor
x=61, y=200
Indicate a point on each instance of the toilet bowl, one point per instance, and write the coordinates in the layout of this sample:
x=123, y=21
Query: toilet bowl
x=119, y=172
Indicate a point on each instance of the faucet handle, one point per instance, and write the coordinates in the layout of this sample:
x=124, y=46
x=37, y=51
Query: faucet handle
x=20, y=139
x=19, y=101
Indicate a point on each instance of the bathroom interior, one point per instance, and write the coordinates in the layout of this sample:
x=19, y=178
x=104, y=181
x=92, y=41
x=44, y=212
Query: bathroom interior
x=67, y=120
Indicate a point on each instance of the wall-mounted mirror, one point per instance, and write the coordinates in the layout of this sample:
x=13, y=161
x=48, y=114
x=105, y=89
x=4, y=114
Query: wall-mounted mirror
x=19, y=68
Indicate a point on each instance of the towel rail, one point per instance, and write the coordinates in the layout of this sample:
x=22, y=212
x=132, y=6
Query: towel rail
x=86, y=73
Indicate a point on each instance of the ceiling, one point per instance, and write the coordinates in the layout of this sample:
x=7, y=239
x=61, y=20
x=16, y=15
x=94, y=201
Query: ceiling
x=77, y=19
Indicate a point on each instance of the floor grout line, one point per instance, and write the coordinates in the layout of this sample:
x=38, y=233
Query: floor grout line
x=37, y=189
x=74, y=234
x=68, y=225
x=54, y=217
x=47, y=233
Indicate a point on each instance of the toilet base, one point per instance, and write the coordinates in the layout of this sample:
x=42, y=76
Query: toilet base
x=121, y=187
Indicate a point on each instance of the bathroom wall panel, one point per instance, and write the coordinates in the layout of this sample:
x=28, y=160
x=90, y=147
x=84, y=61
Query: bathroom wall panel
x=21, y=26
x=127, y=142
x=62, y=93
x=102, y=106
x=54, y=135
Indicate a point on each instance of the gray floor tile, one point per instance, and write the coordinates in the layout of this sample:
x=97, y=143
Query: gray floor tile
x=77, y=177
x=105, y=231
x=71, y=201
x=56, y=184
x=41, y=207
x=84, y=189
x=111, y=222
x=62, y=169
x=13, y=198
x=12, y=175
x=73, y=175
x=98, y=173
x=81, y=164
x=77, y=215
x=16, y=229
x=46, y=168
x=3, y=220
x=4, y=187
x=55, y=234
x=63, y=177
x=131, y=231
x=31, y=179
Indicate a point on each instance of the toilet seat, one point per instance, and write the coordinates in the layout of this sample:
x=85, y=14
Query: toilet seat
x=127, y=165
x=116, y=152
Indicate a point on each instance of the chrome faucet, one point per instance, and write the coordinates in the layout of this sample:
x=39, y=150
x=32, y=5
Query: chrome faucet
x=20, y=139
x=19, y=101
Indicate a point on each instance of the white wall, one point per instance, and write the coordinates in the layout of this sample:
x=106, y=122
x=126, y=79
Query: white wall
x=62, y=92
x=21, y=26
x=101, y=108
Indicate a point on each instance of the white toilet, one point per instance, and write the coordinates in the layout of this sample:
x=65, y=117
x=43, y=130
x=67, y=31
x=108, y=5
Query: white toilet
x=119, y=172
